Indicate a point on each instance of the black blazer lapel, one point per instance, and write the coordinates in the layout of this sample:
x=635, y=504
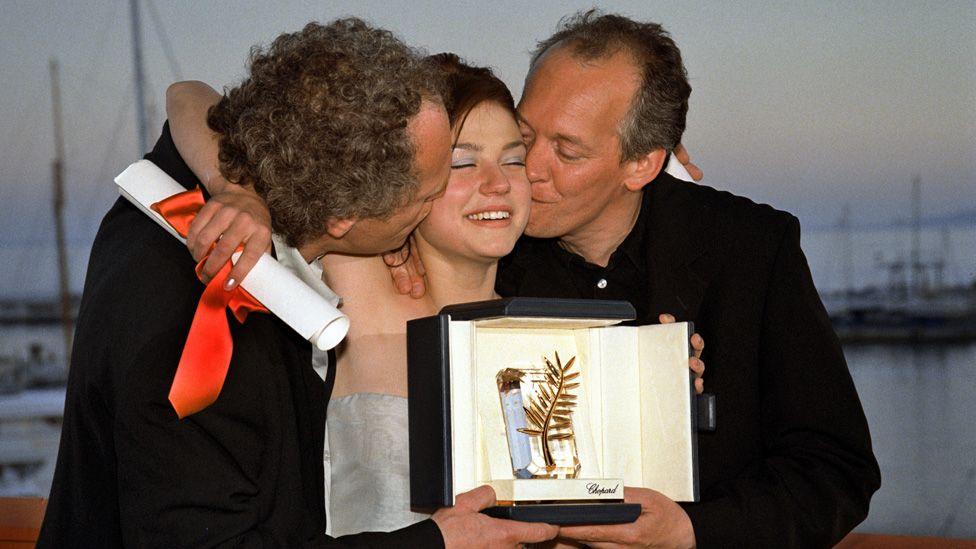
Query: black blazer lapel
x=677, y=251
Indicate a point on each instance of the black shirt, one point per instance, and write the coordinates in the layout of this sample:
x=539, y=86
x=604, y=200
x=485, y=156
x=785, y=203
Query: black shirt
x=622, y=278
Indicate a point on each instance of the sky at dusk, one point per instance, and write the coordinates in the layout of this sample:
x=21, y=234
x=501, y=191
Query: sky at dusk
x=807, y=108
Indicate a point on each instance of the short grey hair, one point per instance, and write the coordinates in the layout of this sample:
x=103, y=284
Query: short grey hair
x=658, y=110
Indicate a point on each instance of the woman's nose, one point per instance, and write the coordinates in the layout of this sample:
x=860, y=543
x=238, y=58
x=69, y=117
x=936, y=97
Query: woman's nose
x=495, y=182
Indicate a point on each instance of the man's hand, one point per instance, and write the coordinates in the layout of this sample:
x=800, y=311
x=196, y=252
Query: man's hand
x=463, y=526
x=696, y=364
x=234, y=216
x=407, y=269
x=682, y=154
x=662, y=523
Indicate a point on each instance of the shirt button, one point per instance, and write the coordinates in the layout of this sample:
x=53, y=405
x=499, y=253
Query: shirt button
x=602, y=283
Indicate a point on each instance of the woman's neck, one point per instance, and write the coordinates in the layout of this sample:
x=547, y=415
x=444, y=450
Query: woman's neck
x=456, y=279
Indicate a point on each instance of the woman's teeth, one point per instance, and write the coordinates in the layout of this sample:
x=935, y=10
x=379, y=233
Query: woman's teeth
x=489, y=215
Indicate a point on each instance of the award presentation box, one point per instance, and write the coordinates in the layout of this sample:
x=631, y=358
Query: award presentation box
x=554, y=405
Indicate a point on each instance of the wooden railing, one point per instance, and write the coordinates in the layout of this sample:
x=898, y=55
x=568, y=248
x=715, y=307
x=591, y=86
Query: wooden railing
x=20, y=523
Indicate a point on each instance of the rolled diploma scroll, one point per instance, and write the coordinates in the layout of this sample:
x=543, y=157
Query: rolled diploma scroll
x=677, y=169
x=277, y=288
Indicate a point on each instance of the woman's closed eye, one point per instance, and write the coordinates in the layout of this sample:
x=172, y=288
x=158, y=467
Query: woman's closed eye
x=463, y=163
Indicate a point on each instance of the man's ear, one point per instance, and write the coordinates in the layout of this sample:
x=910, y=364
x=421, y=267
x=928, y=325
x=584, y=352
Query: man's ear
x=338, y=227
x=641, y=171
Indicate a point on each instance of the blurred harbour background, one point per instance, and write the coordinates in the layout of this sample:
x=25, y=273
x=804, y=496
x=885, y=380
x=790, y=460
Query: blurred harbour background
x=859, y=119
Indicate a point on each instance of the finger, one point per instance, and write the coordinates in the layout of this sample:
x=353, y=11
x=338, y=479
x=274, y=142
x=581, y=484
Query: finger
x=227, y=244
x=415, y=267
x=644, y=496
x=418, y=265
x=395, y=257
x=401, y=279
x=698, y=344
x=219, y=223
x=696, y=366
x=590, y=533
x=529, y=532
x=682, y=154
x=417, y=289
x=253, y=251
x=665, y=319
x=694, y=171
x=476, y=499
x=198, y=248
x=699, y=386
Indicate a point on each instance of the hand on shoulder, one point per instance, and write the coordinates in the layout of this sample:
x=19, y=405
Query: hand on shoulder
x=233, y=217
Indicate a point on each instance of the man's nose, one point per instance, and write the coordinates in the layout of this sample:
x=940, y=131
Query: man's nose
x=495, y=181
x=536, y=164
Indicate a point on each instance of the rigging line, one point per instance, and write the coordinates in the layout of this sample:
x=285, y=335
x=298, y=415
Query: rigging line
x=174, y=65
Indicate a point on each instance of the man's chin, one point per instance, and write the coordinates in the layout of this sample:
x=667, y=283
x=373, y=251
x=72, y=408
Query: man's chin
x=542, y=230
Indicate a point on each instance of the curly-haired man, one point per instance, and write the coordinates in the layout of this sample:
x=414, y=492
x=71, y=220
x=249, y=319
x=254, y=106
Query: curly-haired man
x=342, y=130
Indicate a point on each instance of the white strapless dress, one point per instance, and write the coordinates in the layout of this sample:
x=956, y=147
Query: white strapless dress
x=367, y=465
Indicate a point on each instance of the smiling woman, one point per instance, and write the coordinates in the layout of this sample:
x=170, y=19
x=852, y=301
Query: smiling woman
x=486, y=205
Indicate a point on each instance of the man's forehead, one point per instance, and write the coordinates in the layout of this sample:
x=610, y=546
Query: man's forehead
x=580, y=85
x=430, y=131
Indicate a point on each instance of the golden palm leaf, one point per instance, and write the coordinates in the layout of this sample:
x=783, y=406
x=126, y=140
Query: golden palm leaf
x=550, y=406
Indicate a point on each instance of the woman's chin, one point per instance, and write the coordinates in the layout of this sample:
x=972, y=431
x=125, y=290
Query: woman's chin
x=494, y=251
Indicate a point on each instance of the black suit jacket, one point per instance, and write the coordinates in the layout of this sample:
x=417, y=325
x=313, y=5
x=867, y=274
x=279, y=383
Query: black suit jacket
x=247, y=471
x=790, y=464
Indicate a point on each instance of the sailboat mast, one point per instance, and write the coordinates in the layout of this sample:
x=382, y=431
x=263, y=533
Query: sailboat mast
x=847, y=253
x=139, y=76
x=58, y=181
x=917, y=269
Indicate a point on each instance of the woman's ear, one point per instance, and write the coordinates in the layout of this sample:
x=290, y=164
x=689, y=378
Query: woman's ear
x=644, y=169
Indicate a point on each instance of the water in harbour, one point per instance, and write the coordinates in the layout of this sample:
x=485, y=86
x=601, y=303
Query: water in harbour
x=919, y=403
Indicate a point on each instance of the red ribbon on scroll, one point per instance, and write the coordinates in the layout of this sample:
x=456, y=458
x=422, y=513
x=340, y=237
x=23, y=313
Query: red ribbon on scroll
x=208, y=349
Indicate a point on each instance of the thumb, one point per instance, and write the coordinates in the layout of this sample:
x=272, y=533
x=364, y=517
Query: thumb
x=533, y=532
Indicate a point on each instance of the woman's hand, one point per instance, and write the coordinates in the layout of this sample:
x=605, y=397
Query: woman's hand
x=696, y=364
x=234, y=216
x=407, y=269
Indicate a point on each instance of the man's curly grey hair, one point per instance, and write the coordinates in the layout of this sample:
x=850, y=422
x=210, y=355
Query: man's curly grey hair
x=319, y=125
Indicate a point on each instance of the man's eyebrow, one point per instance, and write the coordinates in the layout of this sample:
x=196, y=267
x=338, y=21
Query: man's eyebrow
x=469, y=147
x=513, y=144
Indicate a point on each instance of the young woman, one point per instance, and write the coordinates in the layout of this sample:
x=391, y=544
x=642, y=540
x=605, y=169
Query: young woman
x=477, y=220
